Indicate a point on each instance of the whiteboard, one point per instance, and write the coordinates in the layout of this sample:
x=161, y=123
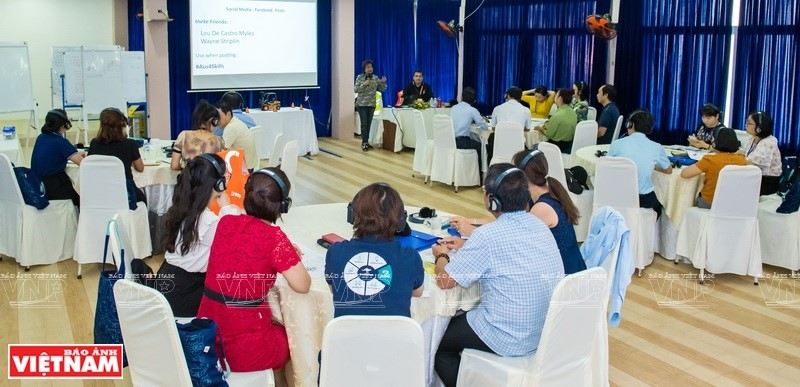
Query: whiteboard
x=73, y=78
x=57, y=70
x=102, y=79
x=133, y=76
x=16, y=86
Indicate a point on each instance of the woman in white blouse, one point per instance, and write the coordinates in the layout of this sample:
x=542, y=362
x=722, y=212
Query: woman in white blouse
x=190, y=228
x=762, y=150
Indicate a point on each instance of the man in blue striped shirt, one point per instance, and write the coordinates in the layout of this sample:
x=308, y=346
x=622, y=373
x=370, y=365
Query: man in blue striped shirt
x=517, y=263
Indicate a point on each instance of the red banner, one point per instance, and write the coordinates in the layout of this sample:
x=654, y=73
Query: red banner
x=97, y=361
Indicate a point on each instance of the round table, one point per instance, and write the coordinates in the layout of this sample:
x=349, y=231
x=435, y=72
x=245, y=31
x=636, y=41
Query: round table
x=305, y=315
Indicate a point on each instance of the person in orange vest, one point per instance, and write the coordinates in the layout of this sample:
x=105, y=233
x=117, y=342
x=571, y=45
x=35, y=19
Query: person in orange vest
x=236, y=174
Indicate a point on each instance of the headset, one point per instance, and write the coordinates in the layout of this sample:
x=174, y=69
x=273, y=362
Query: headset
x=759, y=118
x=220, y=184
x=529, y=157
x=424, y=213
x=401, y=225
x=121, y=115
x=629, y=122
x=286, y=201
x=214, y=117
x=63, y=115
x=241, y=99
x=495, y=204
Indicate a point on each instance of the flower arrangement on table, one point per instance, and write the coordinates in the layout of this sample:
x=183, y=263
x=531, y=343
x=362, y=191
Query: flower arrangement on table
x=420, y=104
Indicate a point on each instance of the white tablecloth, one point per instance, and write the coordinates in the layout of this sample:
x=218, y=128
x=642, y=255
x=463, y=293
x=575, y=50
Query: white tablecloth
x=405, y=136
x=12, y=150
x=295, y=124
x=675, y=193
x=305, y=315
x=532, y=136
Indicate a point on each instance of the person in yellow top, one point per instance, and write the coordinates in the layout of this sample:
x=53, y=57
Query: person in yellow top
x=540, y=100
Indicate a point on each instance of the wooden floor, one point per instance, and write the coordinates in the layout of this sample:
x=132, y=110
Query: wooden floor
x=673, y=332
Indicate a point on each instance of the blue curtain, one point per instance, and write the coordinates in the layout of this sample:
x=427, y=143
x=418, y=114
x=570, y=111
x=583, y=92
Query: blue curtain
x=437, y=53
x=384, y=33
x=672, y=57
x=767, y=67
x=531, y=43
x=135, y=26
x=182, y=102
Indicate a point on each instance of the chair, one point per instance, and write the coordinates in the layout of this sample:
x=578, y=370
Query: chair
x=423, y=152
x=584, y=201
x=725, y=239
x=390, y=350
x=103, y=195
x=780, y=245
x=617, y=129
x=152, y=344
x=277, y=150
x=508, y=140
x=617, y=186
x=257, y=133
x=289, y=163
x=31, y=236
x=553, y=109
x=591, y=115
x=585, y=135
x=564, y=355
x=119, y=241
x=450, y=165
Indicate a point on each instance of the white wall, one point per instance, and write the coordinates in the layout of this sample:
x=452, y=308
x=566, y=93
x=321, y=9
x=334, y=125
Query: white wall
x=47, y=23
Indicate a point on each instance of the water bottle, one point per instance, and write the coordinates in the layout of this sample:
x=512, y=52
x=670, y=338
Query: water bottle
x=146, y=147
x=438, y=102
x=9, y=132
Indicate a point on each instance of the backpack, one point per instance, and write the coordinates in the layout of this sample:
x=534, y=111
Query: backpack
x=577, y=178
x=31, y=187
x=789, y=174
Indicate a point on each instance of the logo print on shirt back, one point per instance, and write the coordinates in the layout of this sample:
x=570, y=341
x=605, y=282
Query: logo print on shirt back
x=367, y=274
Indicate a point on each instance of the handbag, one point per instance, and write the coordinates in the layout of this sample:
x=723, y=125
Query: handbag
x=198, y=339
x=31, y=188
x=106, y=320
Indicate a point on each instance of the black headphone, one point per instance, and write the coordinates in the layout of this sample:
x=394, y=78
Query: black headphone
x=286, y=201
x=121, y=114
x=241, y=99
x=529, y=157
x=495, y=204
x=401, y=225
x=629, y=121
x=424, y=213
x=63, y=115
x=220, y=184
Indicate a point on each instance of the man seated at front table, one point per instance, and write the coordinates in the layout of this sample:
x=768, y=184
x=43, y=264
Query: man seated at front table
x=464, y=115
x=648, y=156
x=509, y=111
x=540, y=100
x=517, y=263
x=417, y=89
x=560, y=130
x=607, y=122
x=235, y=101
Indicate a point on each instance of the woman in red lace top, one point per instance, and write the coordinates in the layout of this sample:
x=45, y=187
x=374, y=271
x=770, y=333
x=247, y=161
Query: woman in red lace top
x=247, y=253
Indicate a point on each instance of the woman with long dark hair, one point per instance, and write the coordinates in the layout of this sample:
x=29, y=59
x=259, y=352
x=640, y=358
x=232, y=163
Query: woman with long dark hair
x=200, y=139
x=190, y=229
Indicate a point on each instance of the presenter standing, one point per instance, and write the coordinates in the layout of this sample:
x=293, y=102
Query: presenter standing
x=365, y=87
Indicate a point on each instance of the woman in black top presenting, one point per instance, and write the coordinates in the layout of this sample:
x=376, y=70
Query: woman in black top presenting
x=111, y=140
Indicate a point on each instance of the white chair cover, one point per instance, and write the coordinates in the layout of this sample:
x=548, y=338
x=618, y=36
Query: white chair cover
x=362, y=350
x=617, y=128
x=423, y=152
x=585, y=135
x=103, y=195
x=152, y=344
x=289, y=163
x=616, y=186
x=779, y=234
x=553, y=109
x=31, y=236
x=564, y=355
x=119, y=241
x=583, y=202
x=277, y=151
x=591, y=115
x=725, y=239
x=257, y=133
x=508, y=140
x=450, y=165
x=251, y=379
